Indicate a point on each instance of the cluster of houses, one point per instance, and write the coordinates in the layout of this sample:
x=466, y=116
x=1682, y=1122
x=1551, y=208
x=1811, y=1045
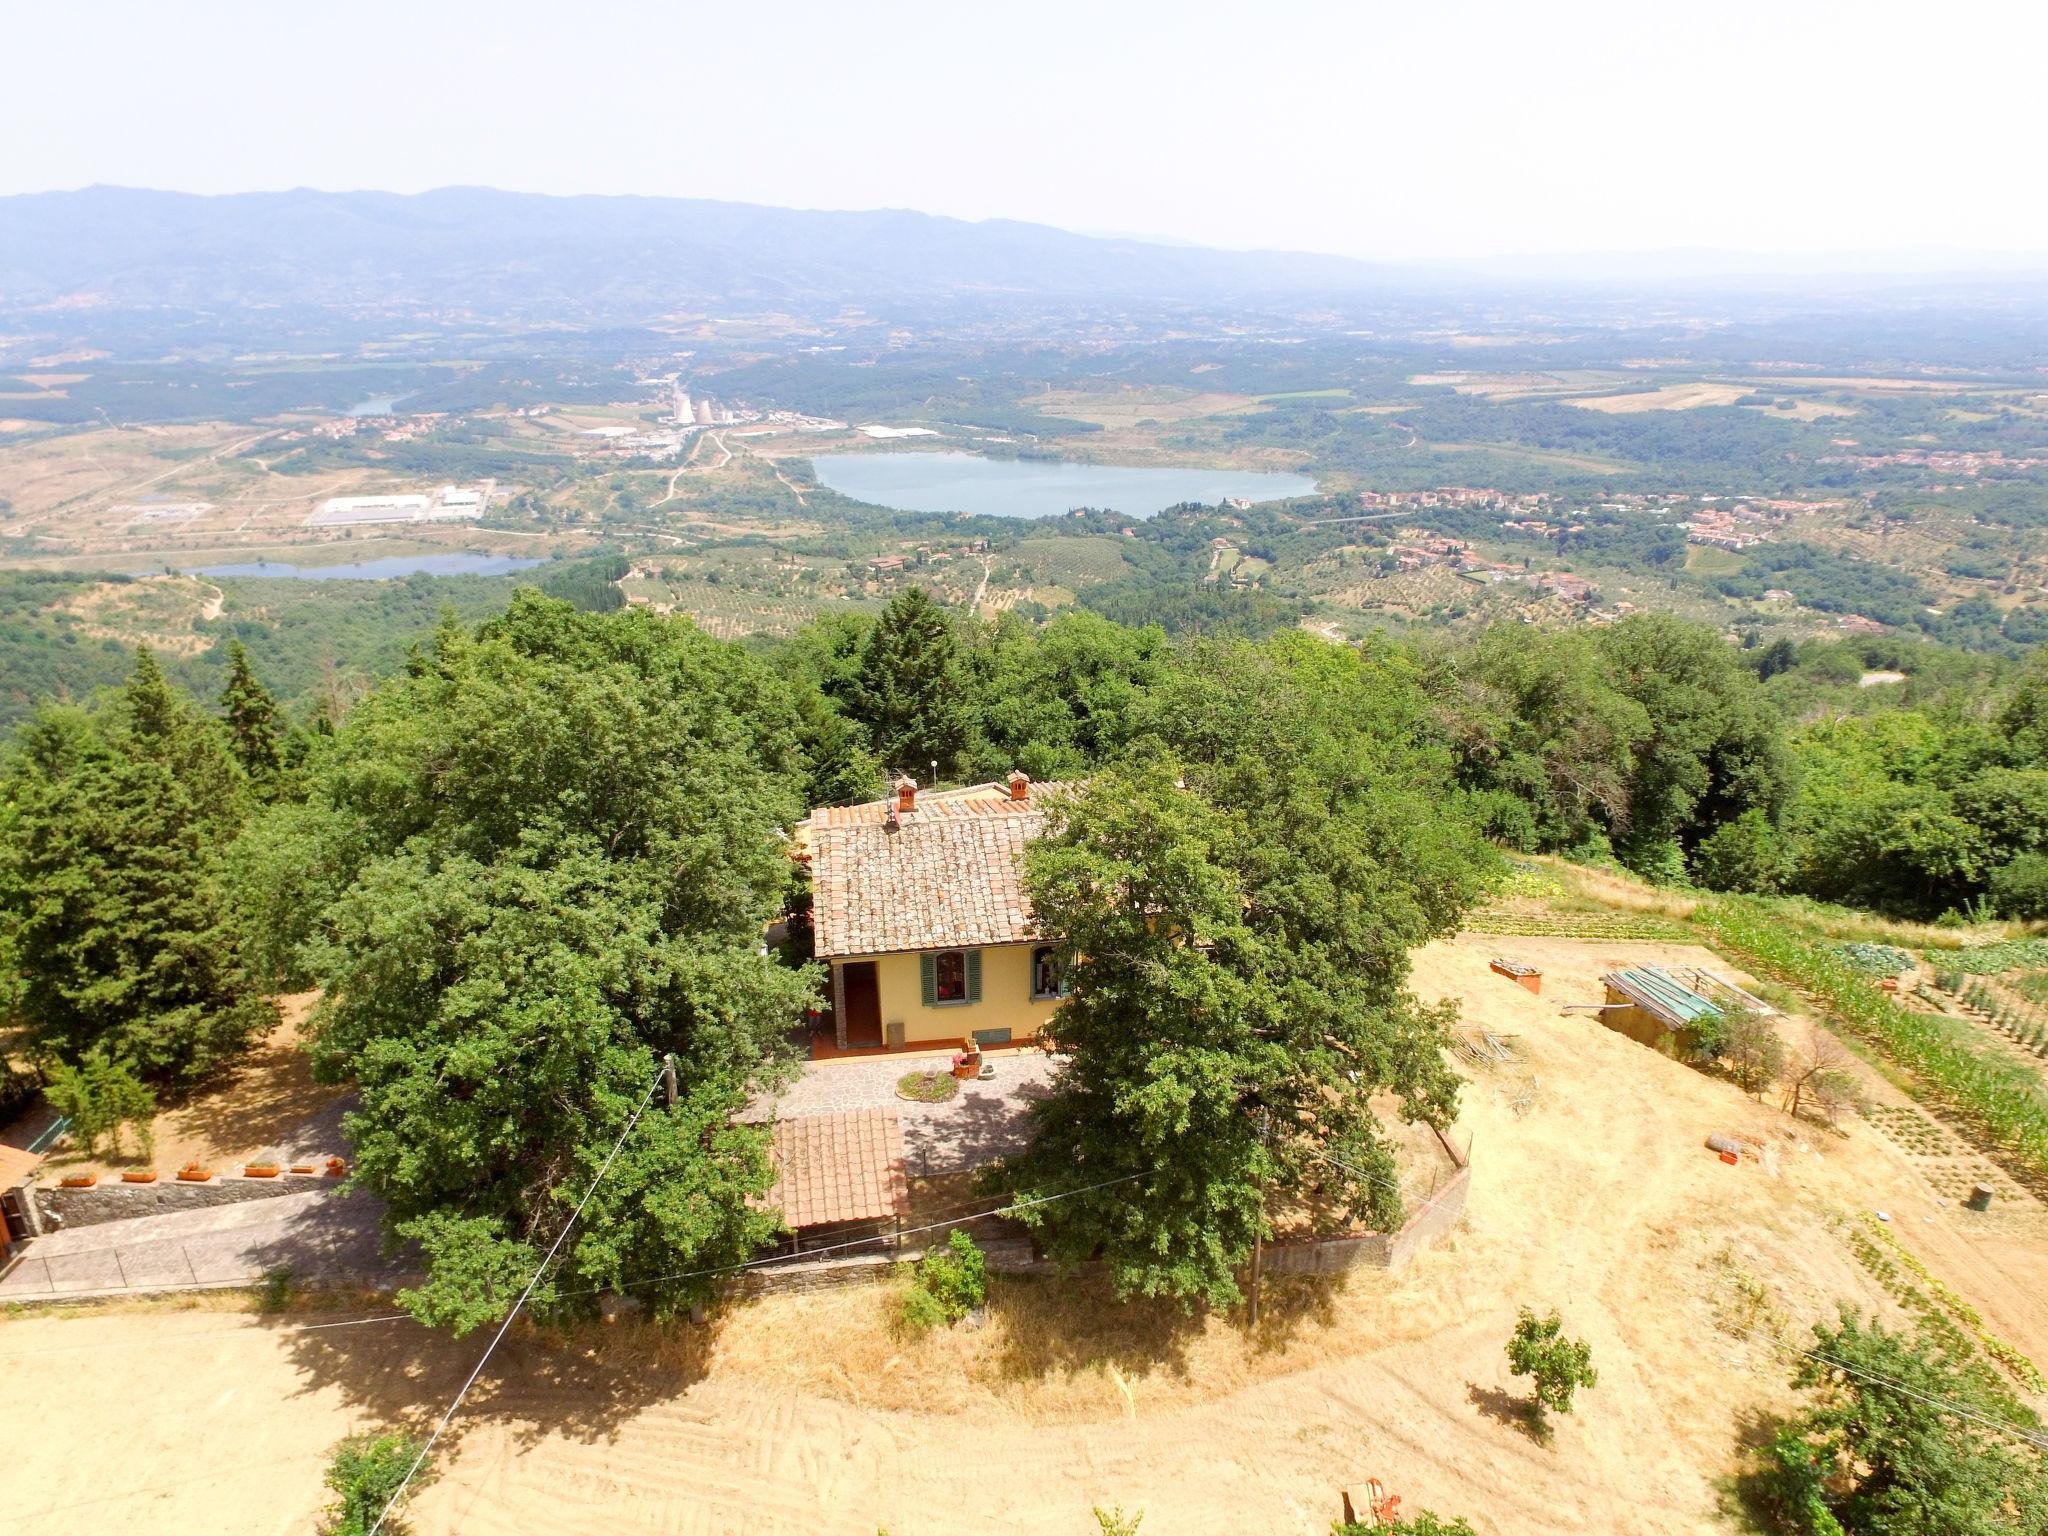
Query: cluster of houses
x=1947, y=460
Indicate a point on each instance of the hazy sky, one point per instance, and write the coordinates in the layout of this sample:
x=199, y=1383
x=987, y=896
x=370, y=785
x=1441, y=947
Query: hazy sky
x=1380, y=130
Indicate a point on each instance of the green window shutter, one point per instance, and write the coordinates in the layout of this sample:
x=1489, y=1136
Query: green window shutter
x=928, y=975
x=974, y=975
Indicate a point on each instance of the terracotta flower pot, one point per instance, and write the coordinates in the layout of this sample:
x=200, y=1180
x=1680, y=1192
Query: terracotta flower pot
x=260, y=1171
x=336, y=1168
x=305, y=1168
x=78, y=1181
x=192, y=1173
x=139, y=1176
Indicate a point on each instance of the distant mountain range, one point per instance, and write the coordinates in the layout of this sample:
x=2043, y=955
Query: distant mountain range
x=511, y=255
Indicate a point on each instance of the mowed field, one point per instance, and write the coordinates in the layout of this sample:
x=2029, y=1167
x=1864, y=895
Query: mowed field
x=1592, y=1192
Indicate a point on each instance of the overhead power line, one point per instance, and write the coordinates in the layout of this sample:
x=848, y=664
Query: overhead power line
x=503, y=1328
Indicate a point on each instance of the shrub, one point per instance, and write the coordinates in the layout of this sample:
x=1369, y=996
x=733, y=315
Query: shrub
x=2020, y=888
x=275, y=1292
x=1558, y=1366
x=918, y=1311
x=956, y=1278
x=1745, y=854
x=1421, y=1523
x=1114, y=1522
x=950, y=1283
x=100, y=1095
x=365, y=1473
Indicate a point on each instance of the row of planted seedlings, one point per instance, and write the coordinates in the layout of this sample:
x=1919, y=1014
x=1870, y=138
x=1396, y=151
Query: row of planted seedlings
x=1999, y=1099
x=2022, y=1025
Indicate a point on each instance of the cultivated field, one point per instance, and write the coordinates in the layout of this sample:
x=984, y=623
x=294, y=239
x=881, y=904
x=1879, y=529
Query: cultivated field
x=1592, y=1191
x=1670, y=397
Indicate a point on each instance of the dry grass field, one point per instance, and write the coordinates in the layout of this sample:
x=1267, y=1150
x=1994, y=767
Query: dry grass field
x=1124, y=409
x=1592, y=1191
x=1670, y=397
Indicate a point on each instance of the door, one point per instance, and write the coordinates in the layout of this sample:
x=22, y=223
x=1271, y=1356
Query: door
x=863, y=1004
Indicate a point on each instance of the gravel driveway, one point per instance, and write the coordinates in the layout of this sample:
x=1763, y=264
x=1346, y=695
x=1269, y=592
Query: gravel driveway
x=984, y=1121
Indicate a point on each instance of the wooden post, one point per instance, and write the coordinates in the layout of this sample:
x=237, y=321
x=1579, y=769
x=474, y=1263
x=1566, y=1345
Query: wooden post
x=1252, y=1309
x=668, y=1076
x=1258, y=1232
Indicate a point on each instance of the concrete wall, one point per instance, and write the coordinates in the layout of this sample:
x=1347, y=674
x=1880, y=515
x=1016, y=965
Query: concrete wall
x=115, y=1201
x=1006, y=1001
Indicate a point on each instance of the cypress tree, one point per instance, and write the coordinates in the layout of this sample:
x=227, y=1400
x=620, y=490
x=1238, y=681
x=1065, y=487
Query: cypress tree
x=254, y=726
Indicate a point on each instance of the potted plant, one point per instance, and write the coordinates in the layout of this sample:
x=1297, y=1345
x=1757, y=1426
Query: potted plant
x=78, y=1181
x=138, y=1176
x=260, y=1170
x=194, y=1173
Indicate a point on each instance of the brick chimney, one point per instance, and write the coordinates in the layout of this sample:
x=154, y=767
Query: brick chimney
x=1020, y=784
x=906, y=793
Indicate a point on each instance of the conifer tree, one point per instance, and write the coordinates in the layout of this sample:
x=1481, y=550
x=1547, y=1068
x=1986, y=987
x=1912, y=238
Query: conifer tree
x=254, y=725
x=911, y=693
x=110, y=883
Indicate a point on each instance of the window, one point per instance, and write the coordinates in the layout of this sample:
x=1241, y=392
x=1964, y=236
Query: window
x=1048, y=976
x=950, y=977
x=949, y=969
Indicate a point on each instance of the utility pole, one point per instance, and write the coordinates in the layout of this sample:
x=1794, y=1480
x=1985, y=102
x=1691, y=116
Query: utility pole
x=668, y=1076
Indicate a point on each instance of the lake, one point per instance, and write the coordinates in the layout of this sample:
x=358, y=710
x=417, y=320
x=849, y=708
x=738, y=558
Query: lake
x=966, y=482
x=377, y=570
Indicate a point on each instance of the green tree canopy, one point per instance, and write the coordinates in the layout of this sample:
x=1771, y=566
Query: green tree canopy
x=910, y=693
x=110, y=883
x=1237, y=906
x=1903, y=1437
x=549, y=850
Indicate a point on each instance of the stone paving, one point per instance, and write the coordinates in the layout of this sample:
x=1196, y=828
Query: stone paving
x=984, y=1121
x=322, y=1236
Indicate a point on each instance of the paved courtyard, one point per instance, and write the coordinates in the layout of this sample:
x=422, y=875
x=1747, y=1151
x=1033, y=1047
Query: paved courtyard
x=984, y=1121
x=322, y=1236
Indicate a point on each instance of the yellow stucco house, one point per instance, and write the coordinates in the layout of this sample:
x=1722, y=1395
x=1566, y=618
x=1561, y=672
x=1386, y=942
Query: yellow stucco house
x=919, y=909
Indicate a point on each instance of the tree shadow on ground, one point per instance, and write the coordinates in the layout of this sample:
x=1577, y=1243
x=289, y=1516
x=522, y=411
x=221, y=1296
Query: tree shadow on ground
x=582, y=1382
x=969, y=1132
x=1511, y=1409
x=1065, y=1327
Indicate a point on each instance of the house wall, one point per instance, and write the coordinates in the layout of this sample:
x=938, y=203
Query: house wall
x=1645, y=1028
x=1006, y=1001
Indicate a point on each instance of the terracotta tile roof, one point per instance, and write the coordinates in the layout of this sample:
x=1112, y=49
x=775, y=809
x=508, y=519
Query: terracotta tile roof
x=936, y=804
x=843, y=1167
x=16, y=1165
x=949, y=875
x=927, y=885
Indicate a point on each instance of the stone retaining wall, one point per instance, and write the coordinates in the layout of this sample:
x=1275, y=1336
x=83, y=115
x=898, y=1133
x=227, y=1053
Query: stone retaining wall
x=1376, y=1250
x=62, y=1209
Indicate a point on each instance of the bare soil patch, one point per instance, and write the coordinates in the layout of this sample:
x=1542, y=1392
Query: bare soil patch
x=268, y=1109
